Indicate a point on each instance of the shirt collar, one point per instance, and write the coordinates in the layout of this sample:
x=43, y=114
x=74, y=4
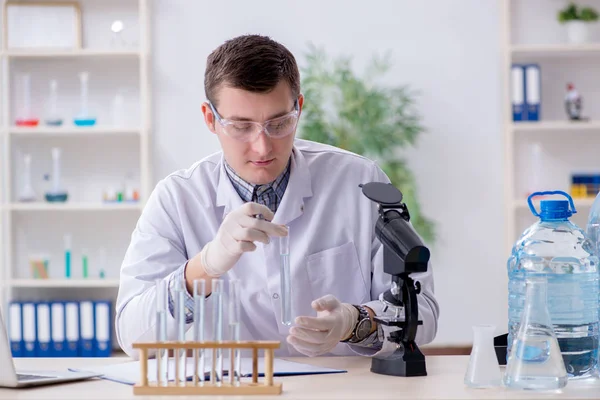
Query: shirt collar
x=246, y=190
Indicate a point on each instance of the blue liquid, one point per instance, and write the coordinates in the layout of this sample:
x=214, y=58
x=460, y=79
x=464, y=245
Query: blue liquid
x=84, y=121
x=286, y=290
x=573, y=308
x=67, y=264
x=56, y=197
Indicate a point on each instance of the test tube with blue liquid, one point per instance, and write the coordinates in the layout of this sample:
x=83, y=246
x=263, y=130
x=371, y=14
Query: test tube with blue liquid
x=234, y=328
x=181, y=354
x=162, y=355
x=285, y=279
x=199, y=316
x=217, y=297
x=67, y=239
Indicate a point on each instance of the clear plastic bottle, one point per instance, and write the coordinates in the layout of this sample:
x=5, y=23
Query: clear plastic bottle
x=557, y=249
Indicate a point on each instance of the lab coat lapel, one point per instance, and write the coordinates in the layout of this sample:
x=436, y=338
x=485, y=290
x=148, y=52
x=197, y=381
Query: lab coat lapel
x=227, y=196
x=298, y=188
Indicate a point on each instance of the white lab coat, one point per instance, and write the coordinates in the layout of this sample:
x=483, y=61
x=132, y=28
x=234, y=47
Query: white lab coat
x=333, y=248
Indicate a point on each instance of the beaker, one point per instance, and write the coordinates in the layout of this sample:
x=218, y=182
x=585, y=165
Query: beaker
x=535, y=360
x=483, y=370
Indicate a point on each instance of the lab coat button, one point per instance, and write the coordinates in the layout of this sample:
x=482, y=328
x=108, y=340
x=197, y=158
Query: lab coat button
x=275, y=296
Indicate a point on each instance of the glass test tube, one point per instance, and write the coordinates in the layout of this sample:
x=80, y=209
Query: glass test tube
x=234, y=328
x=199, y=300
x=181, y=354
x=217, y=294
x=67, y=240
x=285, y=279
x=162, y=355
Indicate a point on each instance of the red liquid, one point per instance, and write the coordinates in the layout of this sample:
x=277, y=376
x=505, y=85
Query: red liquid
x=27, y=122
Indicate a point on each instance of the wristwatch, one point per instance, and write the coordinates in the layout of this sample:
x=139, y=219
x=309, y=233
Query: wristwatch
x=363, y=326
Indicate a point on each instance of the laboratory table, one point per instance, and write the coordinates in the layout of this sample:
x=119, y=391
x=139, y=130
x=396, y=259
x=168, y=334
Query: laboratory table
x=444, y=381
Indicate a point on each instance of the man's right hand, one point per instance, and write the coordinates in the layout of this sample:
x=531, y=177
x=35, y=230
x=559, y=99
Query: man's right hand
x=236, y=235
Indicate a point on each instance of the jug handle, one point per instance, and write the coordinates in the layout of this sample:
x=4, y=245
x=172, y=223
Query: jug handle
x=531, y=196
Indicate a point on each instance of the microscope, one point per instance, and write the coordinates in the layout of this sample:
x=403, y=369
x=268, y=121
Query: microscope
x=403, y=254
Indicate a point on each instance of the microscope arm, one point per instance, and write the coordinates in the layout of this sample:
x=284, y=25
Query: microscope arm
x=411, y=309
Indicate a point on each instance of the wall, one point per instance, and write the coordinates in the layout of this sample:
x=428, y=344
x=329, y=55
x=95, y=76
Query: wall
x=448, y=51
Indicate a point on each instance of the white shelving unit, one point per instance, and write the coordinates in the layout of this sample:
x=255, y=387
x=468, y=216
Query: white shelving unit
x=92, y=156
x=531, y=34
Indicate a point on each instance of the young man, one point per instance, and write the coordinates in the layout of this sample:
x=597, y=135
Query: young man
x=205, y=222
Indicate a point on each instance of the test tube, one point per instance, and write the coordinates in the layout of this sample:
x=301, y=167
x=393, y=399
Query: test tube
x=285, y=279
x=234, y=328
x=181, y=354
x=67, y=240
x=84, y=264
x=162, y=356
x=199, y=300
x=217, y=295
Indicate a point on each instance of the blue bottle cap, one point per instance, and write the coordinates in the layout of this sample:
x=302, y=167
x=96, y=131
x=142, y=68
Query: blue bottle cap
x=554, y=209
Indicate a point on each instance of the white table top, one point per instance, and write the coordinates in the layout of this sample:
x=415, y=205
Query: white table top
x=444, y=381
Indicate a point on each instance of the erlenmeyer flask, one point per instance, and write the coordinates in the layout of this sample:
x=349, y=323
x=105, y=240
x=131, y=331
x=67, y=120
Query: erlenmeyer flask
x=484, y=369
x=535, y=361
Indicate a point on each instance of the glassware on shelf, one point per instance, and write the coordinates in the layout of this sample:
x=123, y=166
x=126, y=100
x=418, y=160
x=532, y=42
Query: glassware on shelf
x=84, y=118
x=117, y=41
x=56, y=193
x=53, y=118
x=27, y=193
x=24, y=114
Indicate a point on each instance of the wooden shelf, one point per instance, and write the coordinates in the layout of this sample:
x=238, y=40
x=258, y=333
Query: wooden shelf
x=64, y=283
x=556, y=126
x=71, y=131
x=555, y=50
x=41, y=206
x=72, y=53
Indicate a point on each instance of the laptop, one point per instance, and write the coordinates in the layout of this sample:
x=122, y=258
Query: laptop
x=11, y=378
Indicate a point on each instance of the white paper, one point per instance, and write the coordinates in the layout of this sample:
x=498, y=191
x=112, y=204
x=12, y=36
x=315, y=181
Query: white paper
x=129, y=372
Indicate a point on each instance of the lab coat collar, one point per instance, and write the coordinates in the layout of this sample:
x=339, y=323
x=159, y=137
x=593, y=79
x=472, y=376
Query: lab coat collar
x=291, y=205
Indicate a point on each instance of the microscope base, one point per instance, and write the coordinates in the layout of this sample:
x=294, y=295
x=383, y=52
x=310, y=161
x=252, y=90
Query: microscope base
x=400, y=363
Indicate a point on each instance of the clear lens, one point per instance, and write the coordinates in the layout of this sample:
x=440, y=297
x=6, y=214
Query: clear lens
x=247, y=131
x=282, y=127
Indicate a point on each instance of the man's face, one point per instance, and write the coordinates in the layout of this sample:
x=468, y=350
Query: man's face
x=262, y=159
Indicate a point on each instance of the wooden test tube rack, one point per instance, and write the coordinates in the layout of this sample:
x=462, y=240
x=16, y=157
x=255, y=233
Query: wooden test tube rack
x=266, y=386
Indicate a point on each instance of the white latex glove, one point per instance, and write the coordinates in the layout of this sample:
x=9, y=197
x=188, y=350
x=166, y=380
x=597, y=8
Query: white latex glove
x=313, y=336
x=236, y=235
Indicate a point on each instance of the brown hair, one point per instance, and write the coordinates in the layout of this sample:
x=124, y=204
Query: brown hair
x=251, y=62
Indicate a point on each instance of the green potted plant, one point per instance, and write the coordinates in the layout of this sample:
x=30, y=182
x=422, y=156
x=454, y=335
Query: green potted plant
x=576, y=20
x=358, y=114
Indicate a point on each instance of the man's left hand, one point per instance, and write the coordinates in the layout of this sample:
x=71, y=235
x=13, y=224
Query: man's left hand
x=313, y=336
